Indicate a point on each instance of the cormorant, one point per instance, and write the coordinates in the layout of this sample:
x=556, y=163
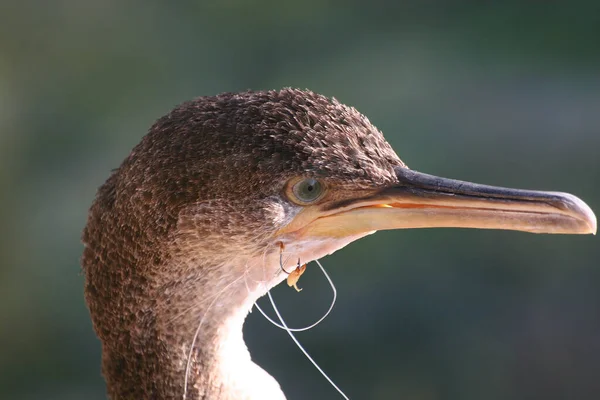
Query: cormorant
x=186, y=234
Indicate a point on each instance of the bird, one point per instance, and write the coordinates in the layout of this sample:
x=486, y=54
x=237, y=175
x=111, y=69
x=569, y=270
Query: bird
x=189, y=231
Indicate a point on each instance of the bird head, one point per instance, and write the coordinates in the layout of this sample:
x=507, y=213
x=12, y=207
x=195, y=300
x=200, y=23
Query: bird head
x=250, y=170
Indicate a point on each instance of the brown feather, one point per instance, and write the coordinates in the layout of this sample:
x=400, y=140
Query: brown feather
x=202, y=189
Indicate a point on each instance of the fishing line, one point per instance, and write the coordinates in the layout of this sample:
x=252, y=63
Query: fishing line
x=302, y=348
x=333, y=300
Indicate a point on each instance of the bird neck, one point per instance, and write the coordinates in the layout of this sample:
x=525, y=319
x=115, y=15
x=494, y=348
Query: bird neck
x=184, y=335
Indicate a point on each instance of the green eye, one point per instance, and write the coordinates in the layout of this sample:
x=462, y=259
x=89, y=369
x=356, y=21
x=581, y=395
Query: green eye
x=307, y=190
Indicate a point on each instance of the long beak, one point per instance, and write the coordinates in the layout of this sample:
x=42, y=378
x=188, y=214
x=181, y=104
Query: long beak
x=424, y=201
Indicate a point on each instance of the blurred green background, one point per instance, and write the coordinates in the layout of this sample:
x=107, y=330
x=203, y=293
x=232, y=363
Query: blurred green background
x=505, y=93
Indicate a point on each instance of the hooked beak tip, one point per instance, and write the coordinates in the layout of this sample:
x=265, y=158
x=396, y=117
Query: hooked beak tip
x=580, y=210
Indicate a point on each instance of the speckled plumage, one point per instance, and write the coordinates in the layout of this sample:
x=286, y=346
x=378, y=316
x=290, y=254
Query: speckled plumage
x=192, y=209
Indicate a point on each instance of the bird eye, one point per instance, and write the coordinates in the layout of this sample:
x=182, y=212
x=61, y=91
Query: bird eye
x=307, y=190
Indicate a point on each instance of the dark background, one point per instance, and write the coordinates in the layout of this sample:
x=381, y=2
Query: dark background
x=505, y=94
